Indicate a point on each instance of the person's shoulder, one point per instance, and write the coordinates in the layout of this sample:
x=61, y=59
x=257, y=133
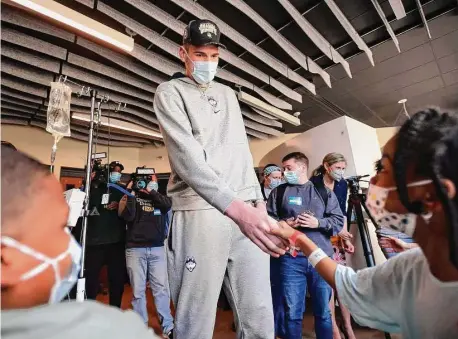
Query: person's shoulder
x=406, y=265
x=168, y=86
x=316, y=178
x=101, y=320
x=222, y=87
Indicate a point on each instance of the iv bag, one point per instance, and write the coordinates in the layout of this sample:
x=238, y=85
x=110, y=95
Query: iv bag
x=58, y=115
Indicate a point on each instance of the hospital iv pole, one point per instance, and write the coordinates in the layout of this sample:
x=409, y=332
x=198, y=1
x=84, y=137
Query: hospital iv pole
x=81, y=285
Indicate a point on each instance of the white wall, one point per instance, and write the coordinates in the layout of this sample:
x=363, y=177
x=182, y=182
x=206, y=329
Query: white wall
x=364, y=145
x=316, y=143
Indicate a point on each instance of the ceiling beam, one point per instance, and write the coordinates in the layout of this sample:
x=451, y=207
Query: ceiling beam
x=8, y=92
x=386, y=23
x=351, y=31
x=423, y=18
x=21, y=18
x=102, y=81
x=34, y=59
x=200, y=12
x=398, y=8
x=323, y=45
x=111, y=72
x=122, y=60
x=262, y=128
x=27, y=73
x=27, y=88
x=178, y=27
x=271, y=110
x=253, y=115
x=172, y=48
x=27, y=41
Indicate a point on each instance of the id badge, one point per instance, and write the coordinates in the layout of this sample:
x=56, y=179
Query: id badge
x=105, y=198
x=157, y=212
x=295, y=201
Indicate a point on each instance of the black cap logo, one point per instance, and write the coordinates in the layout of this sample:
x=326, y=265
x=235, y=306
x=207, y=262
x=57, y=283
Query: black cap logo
x=209, y=28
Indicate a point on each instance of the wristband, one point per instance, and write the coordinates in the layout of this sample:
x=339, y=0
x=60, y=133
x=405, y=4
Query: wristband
x=292, y=241
x=316, y=257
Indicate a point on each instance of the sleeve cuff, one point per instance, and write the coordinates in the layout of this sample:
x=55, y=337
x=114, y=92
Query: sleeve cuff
x=223, y=199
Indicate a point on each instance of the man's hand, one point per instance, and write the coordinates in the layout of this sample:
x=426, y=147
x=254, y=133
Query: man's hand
x=113, y=205
x=256, y=225
x=306, y=220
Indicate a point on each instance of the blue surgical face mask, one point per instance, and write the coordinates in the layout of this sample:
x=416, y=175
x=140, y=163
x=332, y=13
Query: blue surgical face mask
x=115, y=177
x=203, y=71
x=292, y=177
x=274, y=183
x=62, y=285
x=152, y=186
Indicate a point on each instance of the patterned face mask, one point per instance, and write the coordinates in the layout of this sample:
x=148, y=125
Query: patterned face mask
x=405, y=223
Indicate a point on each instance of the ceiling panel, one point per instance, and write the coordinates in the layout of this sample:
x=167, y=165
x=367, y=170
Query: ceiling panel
x=35, y=51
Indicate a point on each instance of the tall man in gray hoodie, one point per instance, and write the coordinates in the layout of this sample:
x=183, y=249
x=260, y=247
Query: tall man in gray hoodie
x=216, y=199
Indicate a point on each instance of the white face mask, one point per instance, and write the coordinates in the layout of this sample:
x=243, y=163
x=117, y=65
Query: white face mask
x=62, y=286
x=375, y=202
x=203, y=71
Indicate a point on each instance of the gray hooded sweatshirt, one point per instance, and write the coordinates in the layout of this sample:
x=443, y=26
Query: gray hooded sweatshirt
x=73, y=320
x=207, y=145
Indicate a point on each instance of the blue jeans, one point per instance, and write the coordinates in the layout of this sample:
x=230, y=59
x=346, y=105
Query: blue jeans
x=150, y=263
x=277, y=297
x=298, y=275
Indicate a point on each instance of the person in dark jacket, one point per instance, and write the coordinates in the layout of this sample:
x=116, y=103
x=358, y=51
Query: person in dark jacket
x=300, y=200
x=145, y=212
x=105, y=241
x=330, y=175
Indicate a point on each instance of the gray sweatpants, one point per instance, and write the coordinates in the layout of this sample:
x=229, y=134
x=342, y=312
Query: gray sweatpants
x=205, y=251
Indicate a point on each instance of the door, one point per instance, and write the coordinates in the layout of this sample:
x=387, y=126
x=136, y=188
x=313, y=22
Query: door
x=70, y=182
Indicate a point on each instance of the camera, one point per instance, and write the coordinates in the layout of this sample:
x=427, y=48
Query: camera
x=100, y=172
x=141, y=177
x=353, y=183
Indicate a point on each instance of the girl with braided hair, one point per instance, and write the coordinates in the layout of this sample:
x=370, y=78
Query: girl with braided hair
x=416, y=192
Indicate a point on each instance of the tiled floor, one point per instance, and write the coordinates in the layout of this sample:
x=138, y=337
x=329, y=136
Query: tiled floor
x=224, y=321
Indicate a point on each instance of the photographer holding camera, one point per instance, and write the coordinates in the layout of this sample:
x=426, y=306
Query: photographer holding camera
x=105, y=233
x=145, y=212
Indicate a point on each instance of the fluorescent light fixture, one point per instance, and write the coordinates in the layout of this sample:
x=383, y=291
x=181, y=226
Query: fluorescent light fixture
x=398, y=8
x=386, y=23
x=351, y=31
x=67, y=16
x=269, y=109
x=120, y=125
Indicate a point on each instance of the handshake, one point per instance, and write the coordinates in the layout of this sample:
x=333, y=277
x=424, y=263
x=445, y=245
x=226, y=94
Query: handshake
x=269, y=235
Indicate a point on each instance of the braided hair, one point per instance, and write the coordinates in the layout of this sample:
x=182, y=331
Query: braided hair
x=429, y=141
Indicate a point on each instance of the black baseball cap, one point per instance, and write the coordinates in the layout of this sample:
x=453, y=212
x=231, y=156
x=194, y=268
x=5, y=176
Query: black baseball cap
x=113, y=164
x=202, y=33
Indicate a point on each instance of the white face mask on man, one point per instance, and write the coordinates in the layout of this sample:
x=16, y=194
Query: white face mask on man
x=203, y=71
x=375, y=202
x=62, y=286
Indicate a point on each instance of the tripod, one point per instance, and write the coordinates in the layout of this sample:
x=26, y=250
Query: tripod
x=356, y=203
